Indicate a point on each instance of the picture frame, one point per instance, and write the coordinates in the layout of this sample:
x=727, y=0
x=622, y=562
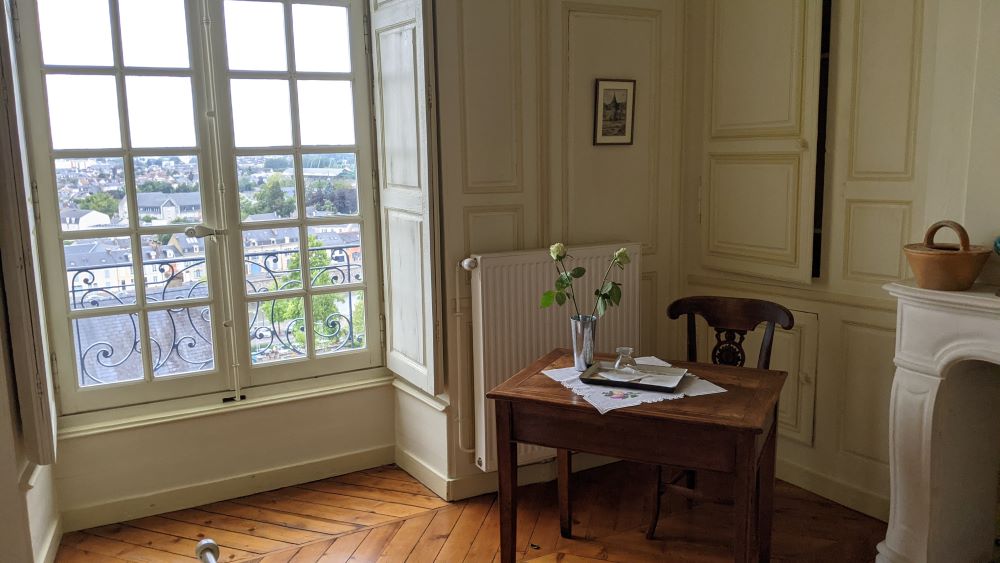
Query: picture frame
x=614, y=111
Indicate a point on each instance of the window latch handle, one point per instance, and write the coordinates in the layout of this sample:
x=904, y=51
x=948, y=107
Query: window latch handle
x=201, y=231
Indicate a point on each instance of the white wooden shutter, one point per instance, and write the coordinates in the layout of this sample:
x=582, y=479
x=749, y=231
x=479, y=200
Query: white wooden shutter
x=402, y=51
x=29, y=344
x=758, y=181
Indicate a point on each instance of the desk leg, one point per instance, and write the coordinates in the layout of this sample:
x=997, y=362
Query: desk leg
x=744, y=496
x=564, y=462
x=765, y=488
x=507, y=468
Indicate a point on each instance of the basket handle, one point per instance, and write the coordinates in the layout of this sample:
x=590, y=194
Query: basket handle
x=963, y=236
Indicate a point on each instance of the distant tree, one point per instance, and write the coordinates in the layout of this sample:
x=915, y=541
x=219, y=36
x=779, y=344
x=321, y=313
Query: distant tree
x=278, y=163
x=156, y=186
x=164, y=238
x=271, y=198
x=101, y=202
x=323, y=306
x=185, y=188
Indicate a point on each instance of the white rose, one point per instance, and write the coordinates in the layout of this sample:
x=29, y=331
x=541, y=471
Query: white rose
x=621, y=256
x=557, y=251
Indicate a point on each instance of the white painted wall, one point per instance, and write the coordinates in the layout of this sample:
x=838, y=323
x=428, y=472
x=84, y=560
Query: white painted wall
x=120, y=474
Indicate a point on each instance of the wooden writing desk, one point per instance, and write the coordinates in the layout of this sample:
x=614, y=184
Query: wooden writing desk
x=732, y=432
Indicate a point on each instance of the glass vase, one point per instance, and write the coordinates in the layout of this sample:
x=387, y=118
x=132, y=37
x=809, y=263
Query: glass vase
x=582, y=331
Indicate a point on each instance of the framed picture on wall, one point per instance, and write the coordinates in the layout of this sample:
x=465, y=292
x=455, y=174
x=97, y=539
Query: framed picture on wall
x=614, y=111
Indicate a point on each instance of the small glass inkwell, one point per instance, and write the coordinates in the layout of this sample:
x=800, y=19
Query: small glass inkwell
x=625, y=359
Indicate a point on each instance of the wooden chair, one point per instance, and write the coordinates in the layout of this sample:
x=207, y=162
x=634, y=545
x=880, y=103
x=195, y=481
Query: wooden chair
x=731, y=318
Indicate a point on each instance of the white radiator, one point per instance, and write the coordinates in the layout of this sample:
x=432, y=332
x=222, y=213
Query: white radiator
x=509, y=330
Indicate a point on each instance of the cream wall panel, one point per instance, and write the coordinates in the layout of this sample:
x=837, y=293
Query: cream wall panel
x=761, y=66
x=519, y=170
x=404, y=278
x=757, y=68
x=753, y=207
x=876, y=231
x=400, y=144
x=886, y=71
x=494, y=228
x=611, y=192
x=867, y=385
x=197, y=460
x=491, y=96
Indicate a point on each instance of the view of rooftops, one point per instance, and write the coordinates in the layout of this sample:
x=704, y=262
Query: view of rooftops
x=92, y=191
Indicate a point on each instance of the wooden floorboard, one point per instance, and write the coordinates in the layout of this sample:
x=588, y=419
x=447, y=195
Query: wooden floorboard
x=384, y=515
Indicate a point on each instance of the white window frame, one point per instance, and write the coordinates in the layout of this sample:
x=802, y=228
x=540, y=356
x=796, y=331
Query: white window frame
x=233, y=371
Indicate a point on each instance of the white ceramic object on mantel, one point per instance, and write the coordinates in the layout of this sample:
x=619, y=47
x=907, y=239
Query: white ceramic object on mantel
x=944, y=435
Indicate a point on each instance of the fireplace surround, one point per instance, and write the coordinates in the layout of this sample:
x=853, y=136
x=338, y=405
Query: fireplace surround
x=944, y=426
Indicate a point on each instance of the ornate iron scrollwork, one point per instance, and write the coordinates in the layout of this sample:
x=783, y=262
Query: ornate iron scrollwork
x=180, y=338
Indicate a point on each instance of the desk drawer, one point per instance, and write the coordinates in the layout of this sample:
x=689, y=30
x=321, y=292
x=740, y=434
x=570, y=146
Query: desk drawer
x=646, y=440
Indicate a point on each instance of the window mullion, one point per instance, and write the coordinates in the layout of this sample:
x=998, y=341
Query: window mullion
x=138, y=268
x=218, y=147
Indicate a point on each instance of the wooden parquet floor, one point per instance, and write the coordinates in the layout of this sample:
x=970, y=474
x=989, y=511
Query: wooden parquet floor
x=384, y=515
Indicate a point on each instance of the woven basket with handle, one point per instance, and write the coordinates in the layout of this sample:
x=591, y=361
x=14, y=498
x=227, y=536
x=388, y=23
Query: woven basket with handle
x=946, y=267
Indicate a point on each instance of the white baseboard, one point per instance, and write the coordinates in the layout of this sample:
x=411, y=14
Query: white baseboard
x=865, y=502
x=50, y=546
x=482, y=483
x=222, y=489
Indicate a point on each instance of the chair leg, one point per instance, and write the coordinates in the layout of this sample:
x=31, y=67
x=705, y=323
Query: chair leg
x=657, y=493
x=691, y=482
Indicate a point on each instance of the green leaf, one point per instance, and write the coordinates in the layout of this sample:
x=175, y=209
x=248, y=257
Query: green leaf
x=578, y=272
x=563, y=281
x=547, y=298
x=601, y=306
x=560, y=297
x=607, y=287
x=616, y=294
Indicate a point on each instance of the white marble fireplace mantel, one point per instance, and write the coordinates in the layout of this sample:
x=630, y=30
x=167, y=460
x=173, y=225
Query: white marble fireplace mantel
x=944, y=435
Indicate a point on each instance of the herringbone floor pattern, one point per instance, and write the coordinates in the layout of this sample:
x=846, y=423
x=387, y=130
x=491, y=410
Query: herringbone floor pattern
x=383, y=514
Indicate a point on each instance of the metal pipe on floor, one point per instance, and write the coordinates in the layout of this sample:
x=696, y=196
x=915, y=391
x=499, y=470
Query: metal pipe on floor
x=207, y=551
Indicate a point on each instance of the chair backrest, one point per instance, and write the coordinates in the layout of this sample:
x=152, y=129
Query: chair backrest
x=731, y=318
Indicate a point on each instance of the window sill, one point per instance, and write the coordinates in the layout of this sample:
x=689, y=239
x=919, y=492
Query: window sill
x=124, y=418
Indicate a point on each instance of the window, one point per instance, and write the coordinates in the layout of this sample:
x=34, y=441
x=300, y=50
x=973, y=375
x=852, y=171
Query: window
x=233, y=163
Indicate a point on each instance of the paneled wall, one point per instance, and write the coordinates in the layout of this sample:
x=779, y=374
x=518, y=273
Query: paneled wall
x=519, y=168
x=901, y=111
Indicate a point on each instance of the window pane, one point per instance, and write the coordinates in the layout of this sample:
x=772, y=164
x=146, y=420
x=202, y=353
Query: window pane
x=271, y=260
x=255, y=35
x=322, y=40
x=160, y=111
x=91, y=193
x=338, y=321
x=331, y=182
x=181, y=341
x=277, y=331
x=107, y=349
x=326, y=112
x=335, y=255
x=83, y=112
x=267, y=188
x=173, y=266
x=154, y=33
x=168, y=190
x=99, y=272
x=75, y=32
x=261, y=113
